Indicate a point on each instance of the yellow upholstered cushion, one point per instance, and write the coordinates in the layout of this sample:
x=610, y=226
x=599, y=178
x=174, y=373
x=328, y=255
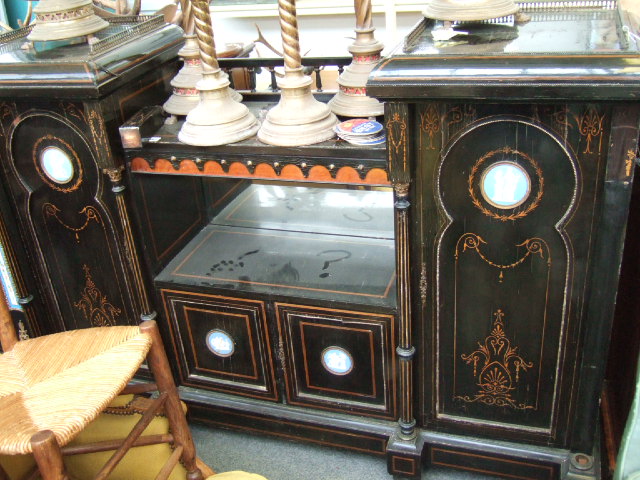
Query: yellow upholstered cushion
x=140, y=463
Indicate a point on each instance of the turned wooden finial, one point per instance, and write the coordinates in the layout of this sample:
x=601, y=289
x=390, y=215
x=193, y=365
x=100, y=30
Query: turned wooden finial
x=204, y=33
x=289, y=28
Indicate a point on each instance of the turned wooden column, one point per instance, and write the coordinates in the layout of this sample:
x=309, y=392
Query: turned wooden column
x=147, y=311
x=399, y=170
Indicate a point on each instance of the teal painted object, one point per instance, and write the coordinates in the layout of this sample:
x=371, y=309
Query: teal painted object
x=628, y=465
x=16, y=10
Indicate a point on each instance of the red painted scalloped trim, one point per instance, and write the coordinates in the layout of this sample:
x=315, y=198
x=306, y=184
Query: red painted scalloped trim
x=317, y=173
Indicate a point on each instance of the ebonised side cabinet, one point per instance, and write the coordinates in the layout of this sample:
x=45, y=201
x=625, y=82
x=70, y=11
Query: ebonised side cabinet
x=65, y=216
x=511, y=151
x=446, y=301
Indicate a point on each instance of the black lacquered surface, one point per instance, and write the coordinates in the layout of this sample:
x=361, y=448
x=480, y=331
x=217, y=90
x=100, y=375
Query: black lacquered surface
x=559, y=53
x=164, y=141
x=73, y=67
x=269, y=240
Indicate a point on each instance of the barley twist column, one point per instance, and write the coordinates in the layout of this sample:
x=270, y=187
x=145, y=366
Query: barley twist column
x=289, y=28
x=185, y=96
x=187, y=16
x=218, y=118
x=363, y=14
x=298, y=118
x=204, y=32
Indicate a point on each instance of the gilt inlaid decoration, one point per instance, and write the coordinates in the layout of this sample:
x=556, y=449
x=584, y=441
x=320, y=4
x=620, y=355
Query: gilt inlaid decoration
x=497, y=367
x=90, y=213
x=513, y=156
x=430, y=123
x=94, y=305
x=591, y=127
x=533, y=246
x=628, y=162
x=397, y=137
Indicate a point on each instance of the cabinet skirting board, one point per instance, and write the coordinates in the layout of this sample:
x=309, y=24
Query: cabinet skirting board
x=405, y=458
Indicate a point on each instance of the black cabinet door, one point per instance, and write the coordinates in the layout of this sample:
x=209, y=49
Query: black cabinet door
x=507, y=216
x=62, y=202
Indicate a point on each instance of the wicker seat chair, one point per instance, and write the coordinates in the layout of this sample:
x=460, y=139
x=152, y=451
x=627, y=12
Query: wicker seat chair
x=52, y=387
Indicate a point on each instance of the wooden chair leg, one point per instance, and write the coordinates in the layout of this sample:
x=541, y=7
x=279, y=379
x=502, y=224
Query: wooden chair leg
x=3, y=474
x=48, y=456
x=157, y=361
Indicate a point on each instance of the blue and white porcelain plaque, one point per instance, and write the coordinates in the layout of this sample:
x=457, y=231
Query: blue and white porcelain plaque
x=56, y=164
x=505, y=185
x=337, y=360
x=220, y=343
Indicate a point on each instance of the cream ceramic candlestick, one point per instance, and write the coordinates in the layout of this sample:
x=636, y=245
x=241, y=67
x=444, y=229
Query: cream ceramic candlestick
x=217, y=119
x=298, y=118
x=351, y=99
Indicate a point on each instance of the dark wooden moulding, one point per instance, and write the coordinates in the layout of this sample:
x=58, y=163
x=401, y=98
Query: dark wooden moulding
x=490, y=349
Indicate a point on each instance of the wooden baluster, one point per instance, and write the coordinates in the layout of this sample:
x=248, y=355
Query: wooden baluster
x=318, y=78
x=252, y=78
x=274, y=83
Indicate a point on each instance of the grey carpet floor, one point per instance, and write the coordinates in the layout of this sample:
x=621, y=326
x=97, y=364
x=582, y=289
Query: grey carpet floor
x=278, y=459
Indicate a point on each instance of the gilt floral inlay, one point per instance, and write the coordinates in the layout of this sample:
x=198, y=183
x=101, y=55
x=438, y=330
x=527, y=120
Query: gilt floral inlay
x=496, y=368
x=397, y=137
x=22, y=331
x=97, y=310
x=591, y=127
x=430, y=123
x=629, y=161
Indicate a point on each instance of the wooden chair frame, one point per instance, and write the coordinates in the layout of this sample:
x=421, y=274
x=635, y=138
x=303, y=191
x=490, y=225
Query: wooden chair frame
x=49, y=455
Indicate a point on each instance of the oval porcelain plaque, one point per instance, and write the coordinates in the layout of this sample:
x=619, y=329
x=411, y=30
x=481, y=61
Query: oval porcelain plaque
x=505, y=185
x=220, y=343
x=56, y=164
x=337, y=360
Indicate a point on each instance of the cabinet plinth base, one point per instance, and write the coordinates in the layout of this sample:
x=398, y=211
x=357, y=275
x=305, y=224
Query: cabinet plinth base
x=404, y=457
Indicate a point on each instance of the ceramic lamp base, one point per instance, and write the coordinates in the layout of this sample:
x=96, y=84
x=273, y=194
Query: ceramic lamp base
x=217, y=119
x=298, y=118
x=351, y=99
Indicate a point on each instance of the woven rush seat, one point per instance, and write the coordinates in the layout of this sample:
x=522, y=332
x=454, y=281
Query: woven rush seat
x=61, y=382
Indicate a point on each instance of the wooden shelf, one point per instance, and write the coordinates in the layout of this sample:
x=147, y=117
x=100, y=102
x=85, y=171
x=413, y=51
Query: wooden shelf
x=336, y=161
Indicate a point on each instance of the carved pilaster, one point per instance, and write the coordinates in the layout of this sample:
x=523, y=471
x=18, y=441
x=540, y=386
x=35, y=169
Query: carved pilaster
x=398, y=155
x=115, y=176
x=399, y=158
x=102, y=148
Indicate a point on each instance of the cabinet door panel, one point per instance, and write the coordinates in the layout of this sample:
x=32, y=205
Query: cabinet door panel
x=59, y=195
x=338, y=360
x=221, y=343
x=507, y=186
